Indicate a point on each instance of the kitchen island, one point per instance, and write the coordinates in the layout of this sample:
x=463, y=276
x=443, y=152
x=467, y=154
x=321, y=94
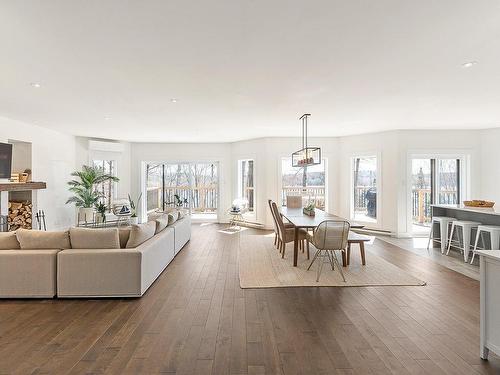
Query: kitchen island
x=485, y=216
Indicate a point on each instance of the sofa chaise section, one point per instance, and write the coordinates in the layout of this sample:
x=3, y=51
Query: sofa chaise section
x=114, y=272
x=28, y=273
x=182, y=229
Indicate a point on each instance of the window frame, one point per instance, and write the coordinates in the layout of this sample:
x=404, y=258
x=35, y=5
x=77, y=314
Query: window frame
x=114, y=184
x=377, y=155
x=252, y=213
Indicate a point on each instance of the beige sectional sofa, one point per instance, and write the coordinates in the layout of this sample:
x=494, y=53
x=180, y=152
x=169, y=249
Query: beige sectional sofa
x=68, y=271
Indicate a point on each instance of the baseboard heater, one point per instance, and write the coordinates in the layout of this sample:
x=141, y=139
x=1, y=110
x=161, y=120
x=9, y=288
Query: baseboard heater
x=372, y=231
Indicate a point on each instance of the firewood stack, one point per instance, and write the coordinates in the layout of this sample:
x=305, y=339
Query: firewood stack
x=20, y=215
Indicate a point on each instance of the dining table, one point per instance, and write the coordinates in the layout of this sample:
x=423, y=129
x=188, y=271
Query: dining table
x=300, y=220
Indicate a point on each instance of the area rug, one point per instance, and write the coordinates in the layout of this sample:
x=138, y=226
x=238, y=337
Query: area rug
x=261, y=266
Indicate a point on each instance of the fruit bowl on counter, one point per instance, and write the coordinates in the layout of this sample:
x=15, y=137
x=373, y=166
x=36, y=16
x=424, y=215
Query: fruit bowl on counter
x=479, y=203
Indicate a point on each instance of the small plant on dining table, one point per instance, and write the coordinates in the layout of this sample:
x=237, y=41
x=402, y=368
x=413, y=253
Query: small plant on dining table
x=310, y=208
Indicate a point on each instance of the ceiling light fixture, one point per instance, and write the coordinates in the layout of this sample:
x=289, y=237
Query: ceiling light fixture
x=469, y=64
x=173, y=100
x=107, y=118
x=306, y=156
x=35, y=85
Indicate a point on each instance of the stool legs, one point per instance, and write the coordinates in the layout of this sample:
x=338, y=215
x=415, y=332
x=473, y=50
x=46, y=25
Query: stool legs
x=451, y=237
x=431, y=232
x=475, y=246
x=443, y=228
x=466, y=236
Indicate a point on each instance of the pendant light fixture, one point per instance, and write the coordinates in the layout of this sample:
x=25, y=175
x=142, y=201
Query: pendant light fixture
x=306, y=156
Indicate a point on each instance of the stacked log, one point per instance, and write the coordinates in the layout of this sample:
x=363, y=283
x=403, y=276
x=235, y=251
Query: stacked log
x=20, y=215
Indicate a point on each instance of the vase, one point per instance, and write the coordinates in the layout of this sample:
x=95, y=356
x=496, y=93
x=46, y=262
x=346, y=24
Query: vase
x=134, y=220
x=86, y=214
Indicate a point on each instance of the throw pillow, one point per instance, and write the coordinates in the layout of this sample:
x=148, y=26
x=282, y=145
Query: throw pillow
x=140, y=233
x=161, y=223
x=8, y=241
x=88, y=238
x=35, y=239
x=172, y=217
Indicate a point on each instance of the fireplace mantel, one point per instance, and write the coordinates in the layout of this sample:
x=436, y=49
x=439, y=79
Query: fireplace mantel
x=22, y=186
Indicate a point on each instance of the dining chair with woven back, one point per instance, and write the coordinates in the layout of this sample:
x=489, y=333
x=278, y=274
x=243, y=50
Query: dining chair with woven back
x=286, y=233
x=328, y=237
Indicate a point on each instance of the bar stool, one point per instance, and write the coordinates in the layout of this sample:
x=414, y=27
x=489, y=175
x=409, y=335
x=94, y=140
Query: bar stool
x=494, y=231
x=466, y=227
x=444, y=223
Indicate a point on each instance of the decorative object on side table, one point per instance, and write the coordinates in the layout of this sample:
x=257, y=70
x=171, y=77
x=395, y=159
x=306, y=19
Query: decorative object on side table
x=101, y=212
x=479, y=203
x=133, y=208
x=84, y=189
x=310, y=209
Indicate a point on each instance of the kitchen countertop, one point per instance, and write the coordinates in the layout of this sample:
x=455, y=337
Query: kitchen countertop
x=481, y=210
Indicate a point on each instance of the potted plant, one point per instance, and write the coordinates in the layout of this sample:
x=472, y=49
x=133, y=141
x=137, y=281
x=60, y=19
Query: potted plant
x=101, y=212
x=83, y=187
x=133, y=209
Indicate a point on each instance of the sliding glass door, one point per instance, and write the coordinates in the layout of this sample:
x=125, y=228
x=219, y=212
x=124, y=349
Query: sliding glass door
x=433, y=180
x=194, y=186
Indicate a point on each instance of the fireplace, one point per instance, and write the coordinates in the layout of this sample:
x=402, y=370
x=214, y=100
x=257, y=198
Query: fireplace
x=18, y=204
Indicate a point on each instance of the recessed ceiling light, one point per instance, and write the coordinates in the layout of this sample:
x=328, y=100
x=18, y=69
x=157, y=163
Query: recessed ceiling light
x=469, y=64
x=35, y=84
x=107, y=118
x=173, y=100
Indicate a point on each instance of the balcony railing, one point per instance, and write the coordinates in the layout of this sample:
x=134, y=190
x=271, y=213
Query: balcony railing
x=421, y=203
x=316, y=193
x=202, y=199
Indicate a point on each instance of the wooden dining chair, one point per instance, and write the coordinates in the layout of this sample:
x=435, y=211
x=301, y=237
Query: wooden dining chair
x=294, y=201
x=328, y=237
x=287, y=233
x=277, y=238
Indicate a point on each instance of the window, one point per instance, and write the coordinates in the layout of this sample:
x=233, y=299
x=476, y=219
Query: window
x=364, y=194
x=107, y=188
x=194, y=186
x=433, y=180
x=310, y=182
x=246, y=188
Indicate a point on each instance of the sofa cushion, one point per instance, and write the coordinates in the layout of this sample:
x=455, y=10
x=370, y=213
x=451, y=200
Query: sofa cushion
x=161, y=223
x=123, y=234
x=8, y=241
x=140, y=233
x=89, y=238
x=37, y=240
x=155, y=215
x=172, y=217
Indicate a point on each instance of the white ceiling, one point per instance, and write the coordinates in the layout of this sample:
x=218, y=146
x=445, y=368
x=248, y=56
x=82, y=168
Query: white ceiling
x=249, y=68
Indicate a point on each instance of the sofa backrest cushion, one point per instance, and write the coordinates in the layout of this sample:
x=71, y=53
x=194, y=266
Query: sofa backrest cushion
x=123, y=234
x=8, y=241
x=161, y=223
x=140, y=233
x=90, y=238
x=37, y=240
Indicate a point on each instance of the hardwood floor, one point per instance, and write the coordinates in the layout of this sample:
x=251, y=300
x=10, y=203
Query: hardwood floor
x=196, y=319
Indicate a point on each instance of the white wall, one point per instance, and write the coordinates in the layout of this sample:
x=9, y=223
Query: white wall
x=53, y=159
x=490, y=165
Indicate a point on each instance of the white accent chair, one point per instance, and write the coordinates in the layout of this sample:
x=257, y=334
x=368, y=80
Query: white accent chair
x=466, y=227
x=328, y=237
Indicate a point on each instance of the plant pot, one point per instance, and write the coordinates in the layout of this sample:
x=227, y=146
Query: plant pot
x=86, y=214
x=100, y=218
x=134, y=220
